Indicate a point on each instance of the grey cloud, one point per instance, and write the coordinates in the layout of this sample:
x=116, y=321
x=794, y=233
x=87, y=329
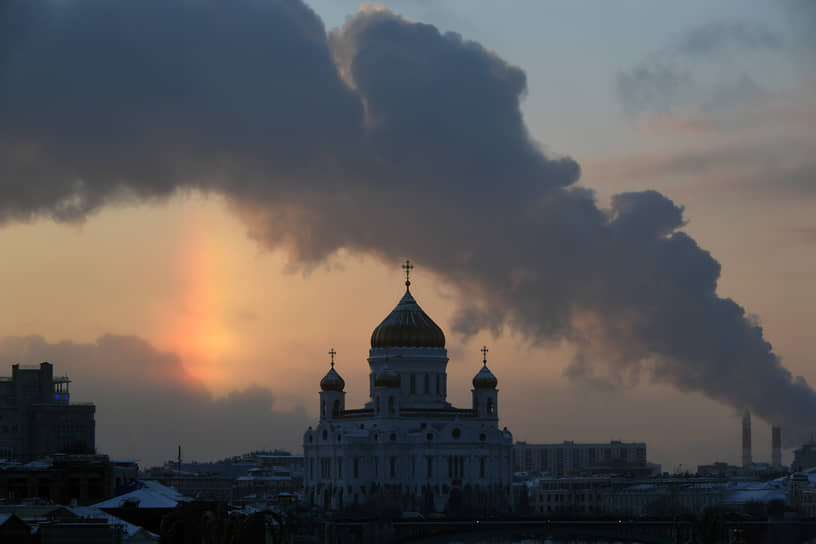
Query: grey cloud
x=806, y=235
x=716, y=36
x=419, y=149
x=672, y=77
x=147, y=405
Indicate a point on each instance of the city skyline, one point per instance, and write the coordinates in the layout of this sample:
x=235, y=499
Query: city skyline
x=198, y=295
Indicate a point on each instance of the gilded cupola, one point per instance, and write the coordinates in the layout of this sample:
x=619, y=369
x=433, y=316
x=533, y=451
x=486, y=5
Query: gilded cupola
x=484, y=379
x=407, y=325
x=332, y=380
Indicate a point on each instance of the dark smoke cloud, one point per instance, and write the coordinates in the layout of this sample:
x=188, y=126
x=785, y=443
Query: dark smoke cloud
x=386, y=137
x=147, y=405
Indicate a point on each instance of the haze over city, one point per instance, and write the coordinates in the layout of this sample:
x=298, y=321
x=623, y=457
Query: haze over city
x=199, y=200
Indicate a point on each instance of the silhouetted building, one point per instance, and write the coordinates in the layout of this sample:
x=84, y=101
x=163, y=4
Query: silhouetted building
x=805, y=457
x=569, y=458
x=62, y=479
x=36, y=417
x=408, y=448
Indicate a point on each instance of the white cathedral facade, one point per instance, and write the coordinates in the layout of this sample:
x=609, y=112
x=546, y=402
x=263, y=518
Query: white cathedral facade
x=408, y=449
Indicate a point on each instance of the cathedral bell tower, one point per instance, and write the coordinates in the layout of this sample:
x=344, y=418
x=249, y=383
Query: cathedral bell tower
x=332, y=396
x=485, y=394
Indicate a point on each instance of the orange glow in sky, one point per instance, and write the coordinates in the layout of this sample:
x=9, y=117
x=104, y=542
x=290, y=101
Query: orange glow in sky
x=192, y=323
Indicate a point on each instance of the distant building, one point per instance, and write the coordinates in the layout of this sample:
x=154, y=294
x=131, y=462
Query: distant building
x=805, y=457
x=60, y=479
x=569, y=458
x=408, y=448
x=36, y=417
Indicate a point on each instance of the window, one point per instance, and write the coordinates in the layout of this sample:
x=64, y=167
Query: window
x=490, y=407
x=323, y=408
x=456, y=467
x=481, y=467
x=356, y=467
x=427, y=384
x=456, y=433
x=393, y=467
x=429, y=470
x=336, y=408
x=376, y=467
x=339, y=467
x=413, y=383
x=391, y=405
x=377, y=405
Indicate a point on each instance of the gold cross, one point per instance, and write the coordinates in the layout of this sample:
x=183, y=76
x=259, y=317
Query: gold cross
x=407, y=267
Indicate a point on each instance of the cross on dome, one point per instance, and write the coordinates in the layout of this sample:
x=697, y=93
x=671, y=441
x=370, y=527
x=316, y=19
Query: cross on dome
x=484, y=351
x=332, y=353
x=407, y=267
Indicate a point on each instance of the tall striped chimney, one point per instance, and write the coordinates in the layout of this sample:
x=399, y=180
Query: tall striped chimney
x=746, y=439
x=776, y=446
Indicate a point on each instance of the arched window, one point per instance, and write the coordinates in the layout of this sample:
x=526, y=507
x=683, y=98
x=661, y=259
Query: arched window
x=427, y=384
x=336, y=408
x=490, y=407
x=390, y=405
x=323, y=408
x=413, y=383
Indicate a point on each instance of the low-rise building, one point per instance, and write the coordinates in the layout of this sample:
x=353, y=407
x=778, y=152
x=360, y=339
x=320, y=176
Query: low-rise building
x=570, y=458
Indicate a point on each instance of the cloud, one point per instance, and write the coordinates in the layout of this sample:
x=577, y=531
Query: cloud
x=385, y=137
x=705, y=67
x=806, y=235
x=762, y=151
x=147, y=405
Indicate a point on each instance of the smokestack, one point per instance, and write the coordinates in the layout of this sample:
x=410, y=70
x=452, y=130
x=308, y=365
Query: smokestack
x=776, y=446
x=746, y=439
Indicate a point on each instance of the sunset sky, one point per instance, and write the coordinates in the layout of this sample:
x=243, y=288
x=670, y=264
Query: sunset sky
x=188, y=244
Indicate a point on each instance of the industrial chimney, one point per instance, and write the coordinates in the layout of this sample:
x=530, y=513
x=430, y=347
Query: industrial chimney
x=776, y=446
x=746, y=439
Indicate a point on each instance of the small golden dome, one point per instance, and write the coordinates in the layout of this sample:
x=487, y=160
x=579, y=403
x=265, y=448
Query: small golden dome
x=387, y=378
x=485, y=379
x=332, y=381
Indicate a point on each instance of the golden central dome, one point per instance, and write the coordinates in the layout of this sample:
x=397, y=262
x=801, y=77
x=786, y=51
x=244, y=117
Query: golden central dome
x=407, y=326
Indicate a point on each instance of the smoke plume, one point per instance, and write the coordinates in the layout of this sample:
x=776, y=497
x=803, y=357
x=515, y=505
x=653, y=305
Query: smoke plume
x=385, y=137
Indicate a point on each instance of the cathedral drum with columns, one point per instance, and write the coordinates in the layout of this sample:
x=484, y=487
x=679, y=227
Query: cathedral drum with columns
x=408, y=449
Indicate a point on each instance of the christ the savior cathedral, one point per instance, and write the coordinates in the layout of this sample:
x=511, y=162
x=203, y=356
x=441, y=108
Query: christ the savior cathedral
x=408, y=449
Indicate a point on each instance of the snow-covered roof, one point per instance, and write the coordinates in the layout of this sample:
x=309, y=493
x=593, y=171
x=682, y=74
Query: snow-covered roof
x=152, y=494
x=755, y=495
x=96, y=513
x=754, y=491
